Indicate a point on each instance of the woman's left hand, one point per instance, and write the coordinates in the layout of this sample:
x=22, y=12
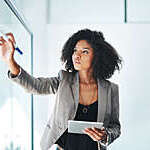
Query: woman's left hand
x=96, y=134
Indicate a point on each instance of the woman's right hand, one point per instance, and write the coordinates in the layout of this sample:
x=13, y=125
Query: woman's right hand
x=7, y=49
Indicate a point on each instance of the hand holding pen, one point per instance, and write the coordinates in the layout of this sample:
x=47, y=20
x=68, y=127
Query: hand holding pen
x=7, y=47
x=5, y=36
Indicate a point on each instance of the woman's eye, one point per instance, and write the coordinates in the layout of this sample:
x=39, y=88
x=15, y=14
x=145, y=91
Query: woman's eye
x=74, y=50
x=85, y=52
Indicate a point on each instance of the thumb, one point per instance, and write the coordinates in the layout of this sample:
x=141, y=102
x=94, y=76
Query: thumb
x=103, y=128
x=11, y=44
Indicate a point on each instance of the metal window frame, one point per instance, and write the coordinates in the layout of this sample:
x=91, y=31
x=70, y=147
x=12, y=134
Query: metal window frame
x=19, y=15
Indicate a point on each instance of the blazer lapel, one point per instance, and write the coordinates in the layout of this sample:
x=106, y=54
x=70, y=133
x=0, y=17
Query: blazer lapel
x=102, y=96
x=102, y=100
x=75, y=89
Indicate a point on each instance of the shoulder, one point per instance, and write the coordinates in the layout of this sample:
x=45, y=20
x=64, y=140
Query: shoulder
x=63, y=74
x=113, y=85
x=114, y=88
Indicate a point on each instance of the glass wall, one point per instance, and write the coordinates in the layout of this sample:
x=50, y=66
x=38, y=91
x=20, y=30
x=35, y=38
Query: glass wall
x=15, y=104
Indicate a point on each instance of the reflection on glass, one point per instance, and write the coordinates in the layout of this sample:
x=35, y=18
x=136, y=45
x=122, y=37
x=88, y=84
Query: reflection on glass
x=15, y=104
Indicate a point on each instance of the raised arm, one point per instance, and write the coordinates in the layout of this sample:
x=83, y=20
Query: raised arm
x=34, y=85
x=20, y=76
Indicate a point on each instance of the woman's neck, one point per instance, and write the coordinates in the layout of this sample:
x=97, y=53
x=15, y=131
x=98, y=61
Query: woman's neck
x=86, y=77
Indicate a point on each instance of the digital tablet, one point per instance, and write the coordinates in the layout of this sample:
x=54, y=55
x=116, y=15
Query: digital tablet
x=78, y=126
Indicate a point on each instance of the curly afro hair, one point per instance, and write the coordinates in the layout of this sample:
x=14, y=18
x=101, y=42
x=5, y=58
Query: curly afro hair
x=106, y=59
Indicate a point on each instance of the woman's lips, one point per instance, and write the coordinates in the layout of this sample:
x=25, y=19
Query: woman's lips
x=77, y=62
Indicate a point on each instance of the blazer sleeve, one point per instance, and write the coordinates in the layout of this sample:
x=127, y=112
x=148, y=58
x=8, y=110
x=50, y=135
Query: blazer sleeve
x=39, y=85
x=113, y=129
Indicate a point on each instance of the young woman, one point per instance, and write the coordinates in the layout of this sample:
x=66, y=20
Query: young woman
x=82, y=91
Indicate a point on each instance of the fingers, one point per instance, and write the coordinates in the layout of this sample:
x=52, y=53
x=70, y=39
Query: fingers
x=92, y=134
x=12, y=48
x=2, y=41
x=11, y=37
x=95, y=133
x=10, y=44
x=98, y=131
x=102, y=129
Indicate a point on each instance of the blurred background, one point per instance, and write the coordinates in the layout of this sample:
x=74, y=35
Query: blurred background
x=41, y=28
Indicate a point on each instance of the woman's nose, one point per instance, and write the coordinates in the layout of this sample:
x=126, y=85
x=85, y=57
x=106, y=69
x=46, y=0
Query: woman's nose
x=77, y=55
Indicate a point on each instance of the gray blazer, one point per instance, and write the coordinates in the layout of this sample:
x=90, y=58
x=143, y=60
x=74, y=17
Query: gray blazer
x=66, y=88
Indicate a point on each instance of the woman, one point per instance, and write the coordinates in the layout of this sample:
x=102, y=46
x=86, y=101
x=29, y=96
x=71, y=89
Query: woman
x=82, y=91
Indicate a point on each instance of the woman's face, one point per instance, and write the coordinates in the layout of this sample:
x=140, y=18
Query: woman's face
x=82, y=56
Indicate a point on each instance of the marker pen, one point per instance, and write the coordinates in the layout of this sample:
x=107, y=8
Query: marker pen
x=6, y=38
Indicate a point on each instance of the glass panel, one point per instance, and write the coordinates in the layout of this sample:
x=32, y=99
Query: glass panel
x=15, y=104
x=86, y=11
x=138, y=11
